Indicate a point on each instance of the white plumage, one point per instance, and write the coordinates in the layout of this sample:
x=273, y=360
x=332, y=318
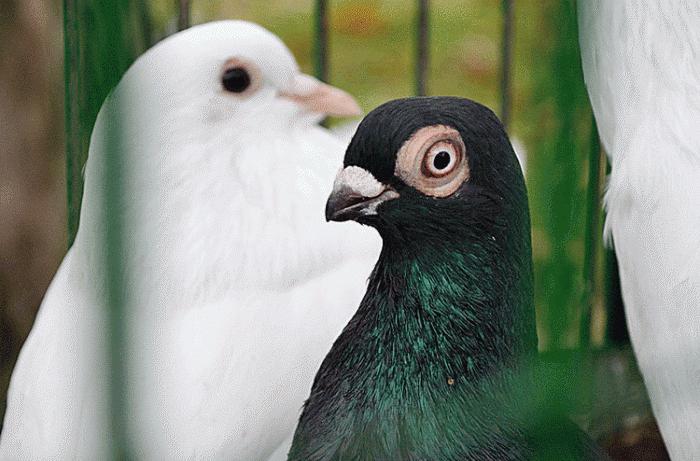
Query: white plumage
x=641, y=60
x=237, y=287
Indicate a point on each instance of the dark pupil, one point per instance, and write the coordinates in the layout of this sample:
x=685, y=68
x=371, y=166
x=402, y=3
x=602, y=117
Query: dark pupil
x=236, y=80
x=441, y=160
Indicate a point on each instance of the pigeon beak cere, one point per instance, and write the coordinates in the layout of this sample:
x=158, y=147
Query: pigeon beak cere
x=319, y=97
x=356, y=193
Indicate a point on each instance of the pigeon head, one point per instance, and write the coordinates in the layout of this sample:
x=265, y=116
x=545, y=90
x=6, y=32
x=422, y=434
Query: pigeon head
x=439, y=180
x=431, y=169
x=219, y=140
x=441, y=345
x=233, y=72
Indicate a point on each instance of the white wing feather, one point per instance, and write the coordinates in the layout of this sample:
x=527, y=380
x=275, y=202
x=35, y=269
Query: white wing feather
x=641, y=62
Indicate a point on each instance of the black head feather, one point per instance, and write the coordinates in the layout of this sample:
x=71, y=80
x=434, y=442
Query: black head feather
x=383, y=131
x=494, y=195
x=435, y=363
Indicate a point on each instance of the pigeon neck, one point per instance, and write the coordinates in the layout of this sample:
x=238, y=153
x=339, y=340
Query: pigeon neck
x=465, y=306
x=434, y=360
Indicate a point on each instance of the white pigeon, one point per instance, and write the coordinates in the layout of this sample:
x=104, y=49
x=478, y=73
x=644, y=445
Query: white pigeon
x=641, y=61
x=237, y=287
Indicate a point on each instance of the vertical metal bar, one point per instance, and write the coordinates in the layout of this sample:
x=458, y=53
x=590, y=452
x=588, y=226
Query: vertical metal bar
x=117, y=20
x=562, y=220
x=144, y=17
x=93, y=65
x=183, y=21
x=320, y=46
x=592, y=233
x=101, y=41
x=422, y=47
x=113, y=217
x=506, y=60
x=320, y=55
x=74, y=135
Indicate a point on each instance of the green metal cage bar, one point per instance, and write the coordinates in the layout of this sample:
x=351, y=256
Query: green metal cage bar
x=113, y=217
x=94, y=63
x=101, y=41
x=506, y=60
x=422, y=47
x=592, y=232
x=183, y=14
x=76, y=153
x=320, y=47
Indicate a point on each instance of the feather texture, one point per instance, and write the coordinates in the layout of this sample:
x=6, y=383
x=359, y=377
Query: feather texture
x=641, y=61
x=236, y=285
x=436, y=364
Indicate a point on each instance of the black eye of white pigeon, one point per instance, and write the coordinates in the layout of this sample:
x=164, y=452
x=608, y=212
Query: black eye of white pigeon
x=236, y=80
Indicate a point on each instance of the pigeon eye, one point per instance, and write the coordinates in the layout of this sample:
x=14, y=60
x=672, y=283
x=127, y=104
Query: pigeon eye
x=240, y=77
x=433, y=161
x=236, y=80
x=440, y=159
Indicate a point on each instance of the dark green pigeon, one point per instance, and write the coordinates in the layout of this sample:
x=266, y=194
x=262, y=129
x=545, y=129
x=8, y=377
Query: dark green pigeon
x=437, y=363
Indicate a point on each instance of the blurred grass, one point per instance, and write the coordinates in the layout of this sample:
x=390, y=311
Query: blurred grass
x=561, y=143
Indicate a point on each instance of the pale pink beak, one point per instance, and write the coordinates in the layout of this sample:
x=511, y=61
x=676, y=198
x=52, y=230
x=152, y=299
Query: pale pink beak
x=319, y=97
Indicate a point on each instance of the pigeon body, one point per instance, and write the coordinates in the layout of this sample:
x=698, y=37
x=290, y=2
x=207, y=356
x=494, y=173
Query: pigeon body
x=229, y=264
x=641, y=62
x=437, y=362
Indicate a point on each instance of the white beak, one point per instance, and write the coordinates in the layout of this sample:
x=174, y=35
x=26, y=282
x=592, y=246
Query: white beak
x=356, y=193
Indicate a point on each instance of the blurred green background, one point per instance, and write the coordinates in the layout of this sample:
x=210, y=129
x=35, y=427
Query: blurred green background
x=372, y=56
